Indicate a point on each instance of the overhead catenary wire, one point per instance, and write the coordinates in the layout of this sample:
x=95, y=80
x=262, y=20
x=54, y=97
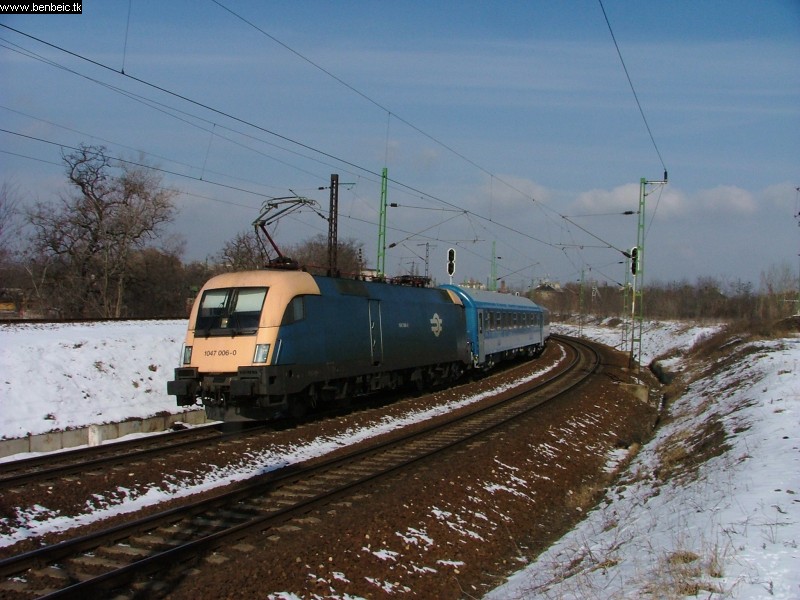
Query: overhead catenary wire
x=369, y=99
x=127, y=29
x=175, y=113
x=145, y=166
x=225, y=114
x=183, y=192
x=186, y=98
x=633, y=89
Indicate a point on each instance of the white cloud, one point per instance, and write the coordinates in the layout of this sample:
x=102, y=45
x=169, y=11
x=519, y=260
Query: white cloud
x=727, y=199
x=619, y=199
x=783, y=196
x=510, y=190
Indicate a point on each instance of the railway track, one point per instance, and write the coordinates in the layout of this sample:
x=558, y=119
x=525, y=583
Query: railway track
x=64, y=465
x=124, y=558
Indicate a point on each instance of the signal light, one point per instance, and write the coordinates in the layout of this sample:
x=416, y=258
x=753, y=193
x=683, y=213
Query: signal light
x=634, y=260
x=451, y=261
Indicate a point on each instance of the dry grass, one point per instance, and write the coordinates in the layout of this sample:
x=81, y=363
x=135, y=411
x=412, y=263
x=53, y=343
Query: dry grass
x=682, y=573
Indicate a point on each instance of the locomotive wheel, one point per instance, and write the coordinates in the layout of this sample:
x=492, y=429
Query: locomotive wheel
x=299, y=407
x=420, y=382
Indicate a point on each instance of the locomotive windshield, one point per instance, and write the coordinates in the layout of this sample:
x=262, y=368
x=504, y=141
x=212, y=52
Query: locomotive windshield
x=230, y=311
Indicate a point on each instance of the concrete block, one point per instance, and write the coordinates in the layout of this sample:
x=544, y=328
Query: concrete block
x=74, y=437
x=15, y=446
x=97, y=434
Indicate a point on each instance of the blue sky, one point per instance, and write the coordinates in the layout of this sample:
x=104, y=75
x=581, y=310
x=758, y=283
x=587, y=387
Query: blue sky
x=510, y=124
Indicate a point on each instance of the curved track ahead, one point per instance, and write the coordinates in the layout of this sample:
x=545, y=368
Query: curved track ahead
x=119, y=558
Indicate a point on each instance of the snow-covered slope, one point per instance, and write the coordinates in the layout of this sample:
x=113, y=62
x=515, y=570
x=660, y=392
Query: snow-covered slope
x=59, y=376
x=710, y=508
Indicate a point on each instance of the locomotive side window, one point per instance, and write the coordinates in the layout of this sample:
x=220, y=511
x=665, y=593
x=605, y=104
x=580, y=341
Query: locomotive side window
x=230, y=310
x=295, y=311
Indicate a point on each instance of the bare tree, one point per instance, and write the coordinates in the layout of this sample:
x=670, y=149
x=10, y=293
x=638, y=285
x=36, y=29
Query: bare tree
x=779, y=291
x=242, y=253
x=86, y=240
x=312, y=255
x=8, y=219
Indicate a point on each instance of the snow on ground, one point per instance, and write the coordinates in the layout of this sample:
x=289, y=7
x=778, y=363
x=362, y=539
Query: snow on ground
x=727, y=528
x=55, y=376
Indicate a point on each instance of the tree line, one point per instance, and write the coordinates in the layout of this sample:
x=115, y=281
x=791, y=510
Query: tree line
x=100, y=250
x=706, y=298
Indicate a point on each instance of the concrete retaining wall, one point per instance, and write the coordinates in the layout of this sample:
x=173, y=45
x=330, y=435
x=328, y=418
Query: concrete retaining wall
x=95, y=434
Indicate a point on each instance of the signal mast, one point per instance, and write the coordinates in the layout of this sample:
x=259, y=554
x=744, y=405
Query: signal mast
x=637, y=271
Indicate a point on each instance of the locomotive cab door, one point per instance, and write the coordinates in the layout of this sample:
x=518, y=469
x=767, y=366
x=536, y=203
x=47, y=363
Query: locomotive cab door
x=375, y=333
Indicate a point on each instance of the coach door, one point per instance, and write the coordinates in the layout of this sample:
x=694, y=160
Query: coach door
x=375, y=334
x=481, y=343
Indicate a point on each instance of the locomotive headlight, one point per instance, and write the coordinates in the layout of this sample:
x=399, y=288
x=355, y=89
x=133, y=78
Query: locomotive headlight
x=261, y=353
x=187, y=354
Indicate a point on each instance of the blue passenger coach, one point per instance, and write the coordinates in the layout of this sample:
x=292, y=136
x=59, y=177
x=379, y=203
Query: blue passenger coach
x=501, y=326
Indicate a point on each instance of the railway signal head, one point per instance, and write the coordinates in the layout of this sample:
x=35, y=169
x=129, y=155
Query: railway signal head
x=451, y=261
x=634, y=260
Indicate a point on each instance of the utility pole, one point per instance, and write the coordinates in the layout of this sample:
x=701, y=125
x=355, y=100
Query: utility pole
x=797, y=216
x=427, y=258
x=493, y=276
x=580, y=304
x=333, y=228
x=381, y=266
x=626, y=305
x=637, y=270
